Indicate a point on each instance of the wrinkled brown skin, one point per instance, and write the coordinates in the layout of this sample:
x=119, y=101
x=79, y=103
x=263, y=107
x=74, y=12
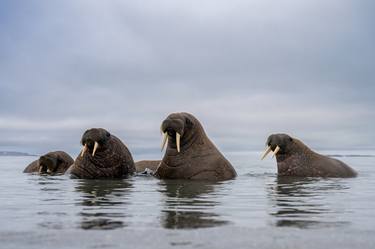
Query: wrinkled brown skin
x=111, y=160
x=52, y=163
x=198, y=159
x=296, y=159
x=141, y=166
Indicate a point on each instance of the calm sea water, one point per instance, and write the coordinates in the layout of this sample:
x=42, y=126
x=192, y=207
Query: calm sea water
x=256, y=210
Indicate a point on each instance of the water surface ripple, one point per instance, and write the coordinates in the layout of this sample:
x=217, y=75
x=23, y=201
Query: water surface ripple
x=257, y=209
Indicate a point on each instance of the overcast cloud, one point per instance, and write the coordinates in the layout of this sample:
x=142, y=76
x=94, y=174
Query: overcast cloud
x=246, y=69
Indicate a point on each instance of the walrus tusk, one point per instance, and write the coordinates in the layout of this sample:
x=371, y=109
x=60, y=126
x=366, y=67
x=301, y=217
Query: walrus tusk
x=96, y=145
x=268, y=150
x=178, y=138
x=165, y=141
x=275, y=151
x=84, y=149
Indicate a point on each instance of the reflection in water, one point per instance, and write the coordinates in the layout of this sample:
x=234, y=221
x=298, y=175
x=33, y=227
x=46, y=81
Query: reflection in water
x=187, y=205
x=299, y=202
x=98, y=196
x=50, y=216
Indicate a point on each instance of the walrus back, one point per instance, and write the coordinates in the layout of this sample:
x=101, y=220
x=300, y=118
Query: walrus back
x=32, y=167
x=141, y=166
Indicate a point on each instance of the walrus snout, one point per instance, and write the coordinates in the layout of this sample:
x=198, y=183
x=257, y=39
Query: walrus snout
x=172, y=126
x=172, y=129
x=93, y=139
x=47, y=164
x=277, y=143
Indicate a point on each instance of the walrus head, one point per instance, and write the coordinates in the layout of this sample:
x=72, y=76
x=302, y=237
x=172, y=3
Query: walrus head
x=48, y=164
x=178, y=130
x=281, y=145
x=94, y=140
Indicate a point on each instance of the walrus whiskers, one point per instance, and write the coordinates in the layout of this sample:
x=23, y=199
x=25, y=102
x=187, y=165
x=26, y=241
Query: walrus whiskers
x=178, y=138
x=268, y=150
x=96, y=145
x=165, y=140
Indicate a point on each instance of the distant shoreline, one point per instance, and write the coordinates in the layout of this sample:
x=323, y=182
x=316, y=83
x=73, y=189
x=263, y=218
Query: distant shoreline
x=14, y=153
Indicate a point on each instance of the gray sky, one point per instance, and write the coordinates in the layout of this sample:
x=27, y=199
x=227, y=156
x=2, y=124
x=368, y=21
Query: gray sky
x=246, y=69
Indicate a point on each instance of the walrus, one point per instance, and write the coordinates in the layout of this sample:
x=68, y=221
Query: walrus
x=190, y=154
x=294, y=158
x=52, y=163
x=103, y=156
x=142, y=165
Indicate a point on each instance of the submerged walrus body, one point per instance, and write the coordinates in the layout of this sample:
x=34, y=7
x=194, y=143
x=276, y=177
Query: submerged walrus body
x=294, y=158
x=141, y=166
x=52, y=163
x=103, y=156
x=190, y=154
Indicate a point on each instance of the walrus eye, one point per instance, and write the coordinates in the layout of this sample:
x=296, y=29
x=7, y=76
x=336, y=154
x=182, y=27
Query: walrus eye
x=108, y=134
x=291, y=139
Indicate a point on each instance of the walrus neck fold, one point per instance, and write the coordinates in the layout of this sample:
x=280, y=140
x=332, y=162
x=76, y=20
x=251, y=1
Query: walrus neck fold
x=295, y=159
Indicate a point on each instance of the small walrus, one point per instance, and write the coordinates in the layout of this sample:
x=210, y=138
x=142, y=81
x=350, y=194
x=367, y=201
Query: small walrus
x=143, y=165
x=103, y=156
x=52, y=163
x=294, y=158
x=190, y=154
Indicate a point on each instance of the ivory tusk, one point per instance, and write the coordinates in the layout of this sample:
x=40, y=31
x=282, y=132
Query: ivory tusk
x=275, y=151
x=266, y=152
x=96, y=145
x=165, y=141
x=178, y=138
x=84, y=149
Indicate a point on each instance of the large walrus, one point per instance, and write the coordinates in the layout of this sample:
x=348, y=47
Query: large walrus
x=52, y=163
x=294, y=158
x=190, y=154
x=103, y=156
